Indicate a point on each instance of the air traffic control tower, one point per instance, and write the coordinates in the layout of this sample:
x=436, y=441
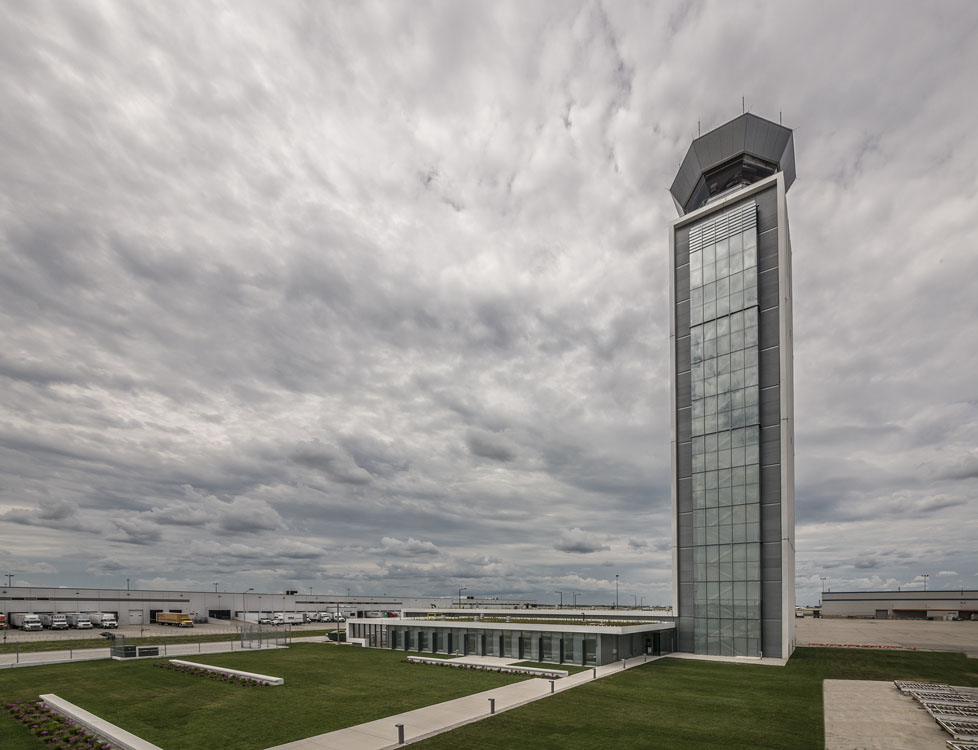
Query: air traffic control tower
x=733, y=490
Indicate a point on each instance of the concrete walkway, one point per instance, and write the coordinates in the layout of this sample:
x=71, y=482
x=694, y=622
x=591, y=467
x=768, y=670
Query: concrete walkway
x=441, y=717
x=874, y=715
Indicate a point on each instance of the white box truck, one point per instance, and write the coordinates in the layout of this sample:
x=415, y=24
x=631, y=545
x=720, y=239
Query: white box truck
x=103, y=619
x=287, y=618
x=78, y=620
x=54, y=621
x=26, y=621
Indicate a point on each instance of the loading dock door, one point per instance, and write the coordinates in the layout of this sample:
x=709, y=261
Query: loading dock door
x=135, y=617
x=882, y=614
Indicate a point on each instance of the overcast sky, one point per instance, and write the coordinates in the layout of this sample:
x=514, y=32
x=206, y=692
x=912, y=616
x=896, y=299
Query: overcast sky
x=374, y=295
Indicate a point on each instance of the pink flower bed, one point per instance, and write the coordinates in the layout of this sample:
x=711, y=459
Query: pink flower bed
x=52, y=728
x=218, y=676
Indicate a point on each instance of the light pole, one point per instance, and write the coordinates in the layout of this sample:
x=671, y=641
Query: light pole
x=635, y=602
x=127, y=584
x=925, y=576
x=464, y=588
x=215, y=588
x=641, y=602
x=575, y=599
x=561, y=605
x=616, y=591
x=244, y=609
x=822, y=578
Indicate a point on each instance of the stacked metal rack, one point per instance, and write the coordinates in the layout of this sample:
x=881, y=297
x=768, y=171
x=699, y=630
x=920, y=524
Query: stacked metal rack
x=955, y=712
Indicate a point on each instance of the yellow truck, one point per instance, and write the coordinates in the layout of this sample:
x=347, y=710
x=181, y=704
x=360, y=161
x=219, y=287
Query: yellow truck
x=180, y=619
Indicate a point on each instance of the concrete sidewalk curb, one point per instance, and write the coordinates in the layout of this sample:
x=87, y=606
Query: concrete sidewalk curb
x=380, y=734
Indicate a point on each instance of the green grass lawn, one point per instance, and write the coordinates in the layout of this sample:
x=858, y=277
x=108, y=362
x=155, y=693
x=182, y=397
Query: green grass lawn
x=326, y=688
x=682, y=704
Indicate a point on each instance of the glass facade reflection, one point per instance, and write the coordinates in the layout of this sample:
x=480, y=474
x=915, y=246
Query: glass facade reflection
x=725, y=433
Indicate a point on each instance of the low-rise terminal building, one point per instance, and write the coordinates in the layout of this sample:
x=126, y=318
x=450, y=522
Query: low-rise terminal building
x=557, y=636
x=957, y=604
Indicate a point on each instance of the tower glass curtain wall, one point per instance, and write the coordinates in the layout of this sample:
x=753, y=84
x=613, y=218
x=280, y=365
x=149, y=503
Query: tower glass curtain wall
x=732, y=395
x=725, y=433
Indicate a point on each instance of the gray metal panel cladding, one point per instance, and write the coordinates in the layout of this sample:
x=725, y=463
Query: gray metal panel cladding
x=682, y=354
x=770, y=445
x=788, y=162
x=685, y=494
x=682, y=314
x=683, y=426
x=682, y=285
x=767, y=210
x=771, y=484
x=767, y=250
x=683, y=388
x=771, y=527
x=770, y=402
x=767, y=289
x=769, y=332
x=770, y=372
x=771, y=627
x=681, y=242
x=687, y=176
x=685, y=459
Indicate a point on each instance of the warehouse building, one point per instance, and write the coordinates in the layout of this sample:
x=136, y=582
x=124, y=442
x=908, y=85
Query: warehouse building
x=959, y=604
x=140, y=607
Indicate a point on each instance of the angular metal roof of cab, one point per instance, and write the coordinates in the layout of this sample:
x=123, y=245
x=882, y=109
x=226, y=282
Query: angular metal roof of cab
x=747, y=135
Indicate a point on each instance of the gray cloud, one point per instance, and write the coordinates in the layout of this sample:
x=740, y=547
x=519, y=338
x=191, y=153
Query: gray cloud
x=487, y=445
x=268, y=296
x=579, y=542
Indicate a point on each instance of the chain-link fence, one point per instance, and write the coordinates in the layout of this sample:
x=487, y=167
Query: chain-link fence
x=256, y=636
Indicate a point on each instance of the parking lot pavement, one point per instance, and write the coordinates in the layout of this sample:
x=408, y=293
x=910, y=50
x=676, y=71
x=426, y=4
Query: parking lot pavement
x=921, y=635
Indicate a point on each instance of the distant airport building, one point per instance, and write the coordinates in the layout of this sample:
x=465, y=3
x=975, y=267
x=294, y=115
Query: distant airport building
x=957, y=604
x=732, y=394
x=140, y=607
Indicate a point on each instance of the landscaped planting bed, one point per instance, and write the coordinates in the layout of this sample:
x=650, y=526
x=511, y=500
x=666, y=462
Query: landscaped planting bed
x=202, y=671
x=52, y=729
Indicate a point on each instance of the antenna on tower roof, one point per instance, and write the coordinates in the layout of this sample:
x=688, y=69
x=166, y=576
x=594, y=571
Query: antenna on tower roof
x=698, y=131
x=743, y=106
x=780, y=121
